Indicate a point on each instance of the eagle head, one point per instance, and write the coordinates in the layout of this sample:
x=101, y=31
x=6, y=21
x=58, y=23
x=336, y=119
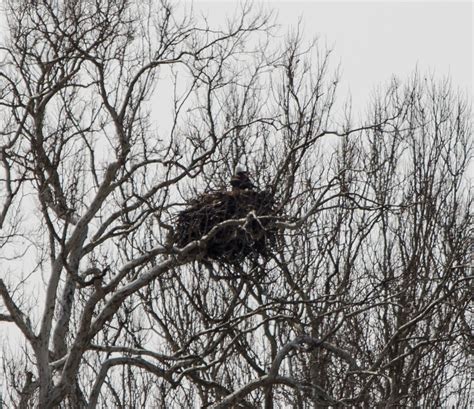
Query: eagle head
x=240, y=169
x=240, y=180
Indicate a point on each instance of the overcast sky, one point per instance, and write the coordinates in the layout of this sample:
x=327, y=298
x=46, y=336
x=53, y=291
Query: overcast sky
x=375, y=40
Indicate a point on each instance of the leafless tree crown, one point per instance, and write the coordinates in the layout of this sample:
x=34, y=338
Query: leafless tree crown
x=114, y=114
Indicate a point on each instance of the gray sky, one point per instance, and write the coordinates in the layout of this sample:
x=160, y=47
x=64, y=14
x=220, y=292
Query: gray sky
x=375, y=40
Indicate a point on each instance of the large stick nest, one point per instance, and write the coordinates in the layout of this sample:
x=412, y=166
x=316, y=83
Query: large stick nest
x=234, y=243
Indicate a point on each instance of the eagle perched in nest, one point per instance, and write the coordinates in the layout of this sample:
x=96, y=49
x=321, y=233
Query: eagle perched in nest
x=240, y=180
x=231, y=243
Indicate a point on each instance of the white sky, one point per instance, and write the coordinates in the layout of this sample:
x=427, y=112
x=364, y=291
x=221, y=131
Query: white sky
x=375, y=40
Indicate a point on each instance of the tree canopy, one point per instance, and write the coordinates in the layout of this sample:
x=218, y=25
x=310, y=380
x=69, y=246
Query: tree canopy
x=362, y=298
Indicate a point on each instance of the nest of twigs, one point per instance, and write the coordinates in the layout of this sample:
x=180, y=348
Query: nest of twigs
x=230, y=243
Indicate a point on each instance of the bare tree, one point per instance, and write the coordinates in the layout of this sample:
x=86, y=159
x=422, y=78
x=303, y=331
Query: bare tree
x=363, y=298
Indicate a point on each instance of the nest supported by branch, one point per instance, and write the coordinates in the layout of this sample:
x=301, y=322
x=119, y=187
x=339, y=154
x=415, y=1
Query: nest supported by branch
x=231, y=243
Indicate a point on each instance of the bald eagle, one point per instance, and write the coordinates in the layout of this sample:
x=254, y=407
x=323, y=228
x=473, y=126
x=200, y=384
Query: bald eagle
x=240, y=180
